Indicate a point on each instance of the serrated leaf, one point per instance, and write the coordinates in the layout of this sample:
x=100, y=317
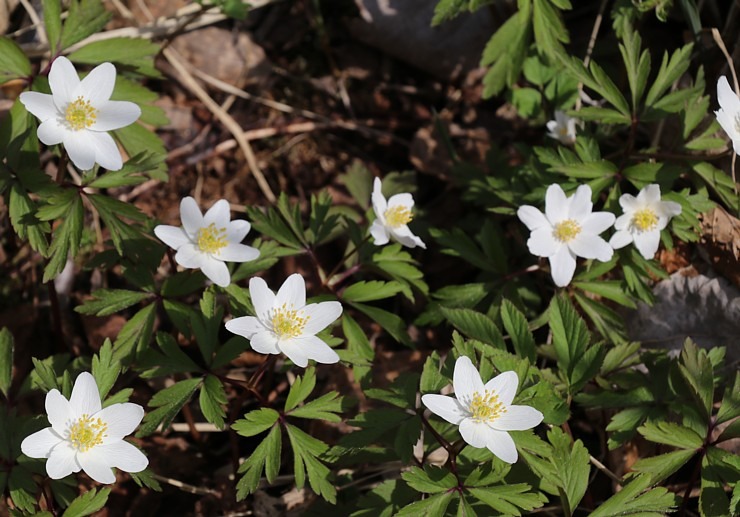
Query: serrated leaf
x=661, y=466
x=306, y=451
x=570, y=336
x=212, y=401
x=52, y=10
x=13, y=61
x=88, y=503
x=168, y=403
x=135, y=335
x=6, y=360
x=434, y=506
x=509, y=499
x=256, y=422
x=475, y=325
x=104, y=369
x=633, y=499
x=110, y=301
x=670, y=433
x=301, y=389
x=571, y=462
x=325, y=407
x=430, y=480
x=134, y=54
x=266, y=456
x=85, y=17
x=394, y=325
x=371, y=290
x=518, y=329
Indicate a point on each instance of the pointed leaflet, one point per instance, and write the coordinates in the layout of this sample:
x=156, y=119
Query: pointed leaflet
x=6, y=360
x=518, y=329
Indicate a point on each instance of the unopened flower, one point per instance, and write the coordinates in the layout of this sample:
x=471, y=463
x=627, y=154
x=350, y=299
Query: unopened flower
x=568, y=229
x=207, y=241
x=284, y=323
x=79, y=113
x=83, y=435
x=392, y=218
x=728, y=114
x=484, y=412
x=643, y=219
x=563, y=128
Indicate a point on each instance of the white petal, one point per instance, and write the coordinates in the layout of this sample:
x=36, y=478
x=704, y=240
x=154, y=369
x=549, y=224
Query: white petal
x=79, y=149
x=264, y=342
x=295, y=353
x=51, y=132
x=95, y=464
x=97, y=86
x=556, y=204
x=234, y=252
x=651, y=194
x=669, y=209
x=40, y=105
x=246, y=326
x=726, y=119
x=106, y=150
x=122, y=419
x=292, y=292
x=628, y=202
x=542, y=242
x=59, y=411
x=591, y=247
x=40, y=443
x=237, y=230
x=216, y=271
x=263, y=298
x=85, y=399
x=379, y=233
x=405, y=236
x=445, y=407
x=597, y=222
x=531, y=217
x=63, y=81
x=123, y=455
x=620, y=239
x=726, y=97
x=518, y=418
x=580, y=203
x=189, y=256
x=475, y=433
x=314, y=348
x=115, y=115
x=466, y=380
x=552, y=126
x=647, y=243
x=502, y=446
x=562, y=266
x=62, y=461
x=172, y=236
x=320, y=315
x=404, y=199
x=219, y=214
x=192, y=219
x=504, y=385
x=379, y=203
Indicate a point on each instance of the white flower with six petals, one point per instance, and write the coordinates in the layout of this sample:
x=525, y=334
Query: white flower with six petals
x=728, y=114
x=83, y=435
x=484, y=412
x=643, y=219
x=284, y=323
x=392, y=218
x=207, y=241
x=79, y=114
x=567, y=229
x=563, y=128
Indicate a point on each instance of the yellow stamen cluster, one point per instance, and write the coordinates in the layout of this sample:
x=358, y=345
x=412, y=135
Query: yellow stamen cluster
x=80, y=114
x=87, y=432
x=288, y=323
x=566, y=231
x=398, y=216
x=645, y=219
x=211, y=239
x=486, y=407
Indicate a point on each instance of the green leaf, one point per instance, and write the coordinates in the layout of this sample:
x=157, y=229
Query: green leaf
x=434, y=506
x=661, y=466
x=53, y=23
x=372, y=290
x=430, y=480
x=137, y=139
x=306, y=451
x=22, y=212
x=325, y=407
x=104, y=369
x=135, y=54
x=13, y=61
x=255, y=422
x=113, y=212
x=730, y=407
x=110, y=301
x=85, y=17
x=172, y=359
x=6, y=360
x=212, y=401
x=88, y=503
x=669, y=433
x=266, y=456
x=571, y=462
x=301, y=389
x=518, y=329
x=697, y=372
x=393, y=324
x=168, y=402
x=634, y=500
x=570, y=335
x=475, y=325
x=432, y=381
x=614, y=290
x=670, y=70
x=136, y=334
x=359, y=345
x=509, y=499
x=506, y=51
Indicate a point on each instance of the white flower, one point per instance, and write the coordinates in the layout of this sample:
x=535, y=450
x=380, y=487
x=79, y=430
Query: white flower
x=728, y=114
x=207, y=241
x=284, y=322
x=563, y=128
x=568, y=229
x=84, y=436
x=643, y=219
x=484, y=412
x=392, y=218
x=79, y=114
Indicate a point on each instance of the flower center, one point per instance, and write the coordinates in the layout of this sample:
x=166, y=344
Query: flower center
x=288, y=323
x=398, y=216
x=566, y=231
x=80, y=114
x=211, y=239
x=486, y=407
x=87, y=432
x=645, y=219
